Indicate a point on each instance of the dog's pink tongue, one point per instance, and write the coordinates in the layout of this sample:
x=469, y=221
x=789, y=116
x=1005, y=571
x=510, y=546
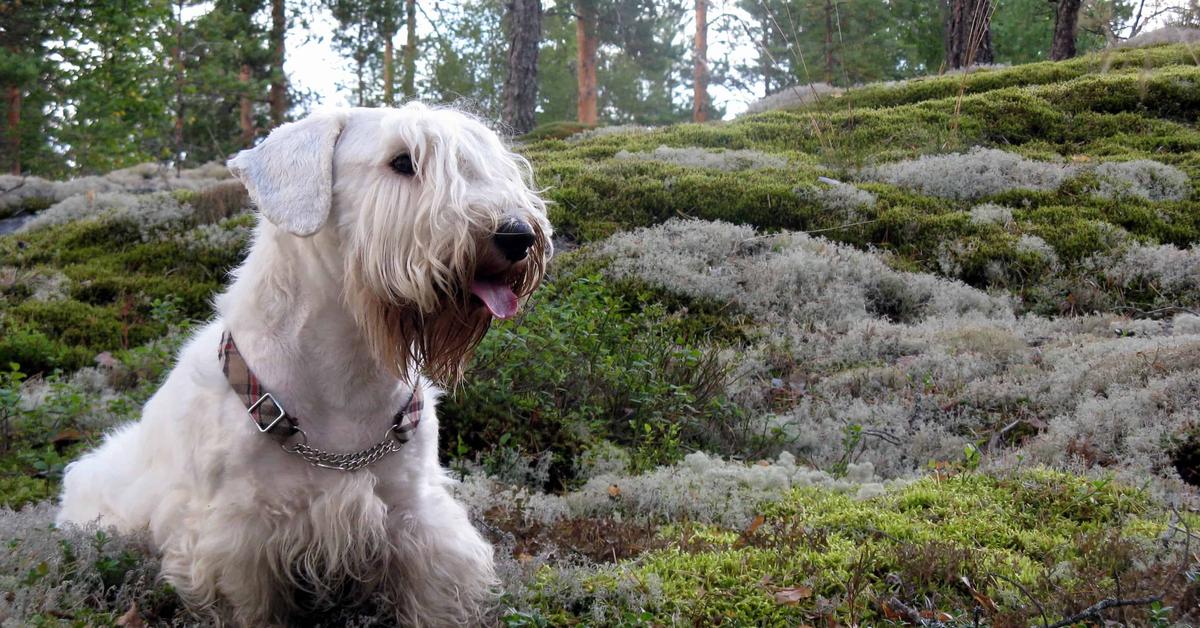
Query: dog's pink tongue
x=498, y=297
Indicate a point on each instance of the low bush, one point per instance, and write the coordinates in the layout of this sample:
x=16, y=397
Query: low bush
x=583, y=365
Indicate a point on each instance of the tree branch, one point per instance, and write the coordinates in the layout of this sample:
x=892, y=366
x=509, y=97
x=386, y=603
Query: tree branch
x=1093, y=611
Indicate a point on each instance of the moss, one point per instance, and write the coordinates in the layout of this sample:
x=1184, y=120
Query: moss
x=1130, y=110
x=1038, y=528
x=114, y=279
x=948, y=86
x=593, y=201
x=555, y=130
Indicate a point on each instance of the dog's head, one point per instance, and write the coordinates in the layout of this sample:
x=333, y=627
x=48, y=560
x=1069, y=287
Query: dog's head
x=437, y=221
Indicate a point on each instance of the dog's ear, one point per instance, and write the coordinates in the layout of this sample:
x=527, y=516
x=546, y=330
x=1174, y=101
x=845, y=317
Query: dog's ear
x=290, y=174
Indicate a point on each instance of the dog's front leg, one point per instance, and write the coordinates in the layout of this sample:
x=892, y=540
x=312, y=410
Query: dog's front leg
x=445, y=571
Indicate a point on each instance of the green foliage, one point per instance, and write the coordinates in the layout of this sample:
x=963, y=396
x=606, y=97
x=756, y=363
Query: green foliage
x=468, y=63
x=31, y=31
x=40, y=439
x=584, y=364
x=117, y=88
x=217, y=45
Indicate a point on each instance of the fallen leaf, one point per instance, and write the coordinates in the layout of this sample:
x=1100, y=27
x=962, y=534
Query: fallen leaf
x=131, y=618
x=984, y=601
x=755, y=525
x=66, y=437
x=793, y=595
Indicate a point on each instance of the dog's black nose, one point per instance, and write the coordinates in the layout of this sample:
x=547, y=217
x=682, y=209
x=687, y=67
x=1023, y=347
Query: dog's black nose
x=514, y=239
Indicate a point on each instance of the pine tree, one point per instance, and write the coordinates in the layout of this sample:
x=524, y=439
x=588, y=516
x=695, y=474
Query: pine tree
x=968, y=32
x=524, y=25
x=700, y=62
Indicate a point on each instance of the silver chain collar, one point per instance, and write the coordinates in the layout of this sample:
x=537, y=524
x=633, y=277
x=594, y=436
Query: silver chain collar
x=397, y=435
x=351, y=461
x=270, y=418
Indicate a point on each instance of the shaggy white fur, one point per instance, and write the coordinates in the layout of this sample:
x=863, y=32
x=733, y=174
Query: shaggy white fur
x=355, y=267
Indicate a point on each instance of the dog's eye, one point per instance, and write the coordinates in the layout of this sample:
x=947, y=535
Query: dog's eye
x=404, y=165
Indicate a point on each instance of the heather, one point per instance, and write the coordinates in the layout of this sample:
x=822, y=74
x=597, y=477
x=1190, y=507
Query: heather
x=885, y=354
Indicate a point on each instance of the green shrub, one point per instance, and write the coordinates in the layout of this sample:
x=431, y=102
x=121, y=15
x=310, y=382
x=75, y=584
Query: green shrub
x=583, y=365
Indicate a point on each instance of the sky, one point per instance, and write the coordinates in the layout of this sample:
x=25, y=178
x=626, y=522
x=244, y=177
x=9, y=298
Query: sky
x=312, y=63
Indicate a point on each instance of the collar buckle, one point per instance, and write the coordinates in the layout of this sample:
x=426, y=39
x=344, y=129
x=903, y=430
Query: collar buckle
x=280, y=424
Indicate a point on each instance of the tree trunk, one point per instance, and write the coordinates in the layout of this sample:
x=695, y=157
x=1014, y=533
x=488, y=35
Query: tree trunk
x=389, y=68
x=520, y=86
x=764, y=64
x=177, y=61
x=700, y=71
x=585, y=34
x=245, y=117
x=968, y=33
x=14, y=129
x=1066, y=16
x=360, y=60
x=829, y=42
x=278, y=97
x=410, y=51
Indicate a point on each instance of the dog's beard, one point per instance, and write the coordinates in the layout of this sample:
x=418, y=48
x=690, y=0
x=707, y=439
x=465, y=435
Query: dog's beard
x=438, y=343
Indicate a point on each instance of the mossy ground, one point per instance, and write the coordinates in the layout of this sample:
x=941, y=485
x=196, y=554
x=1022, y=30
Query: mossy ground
x=597, y=360
x=953, y=546
x=1121, y=105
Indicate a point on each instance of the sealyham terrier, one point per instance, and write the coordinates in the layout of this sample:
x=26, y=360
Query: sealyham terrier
x=289, y=463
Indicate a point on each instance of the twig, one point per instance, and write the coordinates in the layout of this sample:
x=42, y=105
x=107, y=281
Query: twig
x=853, y=224
x=1175, y=528
x=1094, y=610
x=911, y=615
x=1027, y=594
x=883, y=436
x=1161, y=310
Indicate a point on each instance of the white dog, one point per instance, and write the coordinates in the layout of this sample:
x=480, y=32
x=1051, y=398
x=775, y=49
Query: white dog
x=392, y=238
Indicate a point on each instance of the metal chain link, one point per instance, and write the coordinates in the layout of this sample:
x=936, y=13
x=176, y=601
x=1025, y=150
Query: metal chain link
x=351, y=461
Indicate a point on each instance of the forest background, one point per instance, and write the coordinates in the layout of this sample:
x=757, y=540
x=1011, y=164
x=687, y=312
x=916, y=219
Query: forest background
x=89, y=87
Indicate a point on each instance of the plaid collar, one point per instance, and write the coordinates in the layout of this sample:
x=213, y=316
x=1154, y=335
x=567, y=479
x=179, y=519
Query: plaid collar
x=269, y=416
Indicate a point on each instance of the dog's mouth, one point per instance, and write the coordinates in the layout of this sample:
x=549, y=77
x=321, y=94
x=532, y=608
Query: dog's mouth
x=496, y=293
x=508, y=265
